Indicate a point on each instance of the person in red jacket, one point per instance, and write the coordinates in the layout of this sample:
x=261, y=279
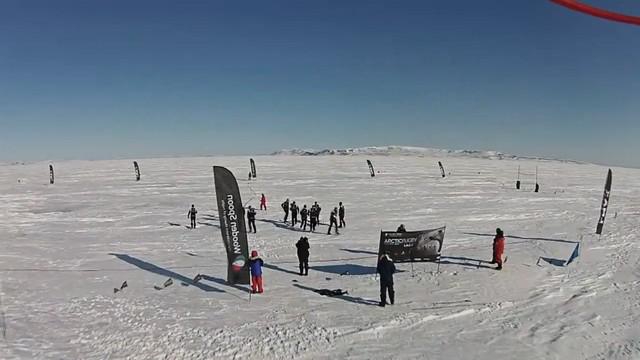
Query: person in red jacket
x=263, y=202
x=498, y=248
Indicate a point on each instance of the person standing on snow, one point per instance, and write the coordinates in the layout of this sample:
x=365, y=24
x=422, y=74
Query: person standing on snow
x=251, y=216
x=285, y=208
x=498, y=248
x=303, y=255
x=263, y=202
x=401, y=228
x=333, y=221
x=313, y=216
x=303, y=218
x=341, y=215
x=386, y=269
x=255, y=265
x=192, y=215
x=318, y=209
x=294, y=213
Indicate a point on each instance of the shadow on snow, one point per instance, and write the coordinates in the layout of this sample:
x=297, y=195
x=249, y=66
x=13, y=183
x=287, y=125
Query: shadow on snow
x=524, y=238
x=355, y=300
x=163, y=272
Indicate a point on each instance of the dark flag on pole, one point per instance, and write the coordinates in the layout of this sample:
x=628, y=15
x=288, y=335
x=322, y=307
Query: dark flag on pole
x=574, y=254
x=51, y=177
x=137, y=169
x=373, y=173
x=441, y=169
x=605, y=204
x=232, y=225
x=253, y=168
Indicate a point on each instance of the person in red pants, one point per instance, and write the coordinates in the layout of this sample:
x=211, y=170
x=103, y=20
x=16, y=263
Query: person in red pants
x=263, y=203
x=255, y=264
x=498, y=248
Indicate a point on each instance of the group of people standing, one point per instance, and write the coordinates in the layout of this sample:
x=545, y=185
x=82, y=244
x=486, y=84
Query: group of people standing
x=311, y=216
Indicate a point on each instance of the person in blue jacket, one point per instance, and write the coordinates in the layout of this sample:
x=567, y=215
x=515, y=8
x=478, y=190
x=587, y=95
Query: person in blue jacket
x=255, y=264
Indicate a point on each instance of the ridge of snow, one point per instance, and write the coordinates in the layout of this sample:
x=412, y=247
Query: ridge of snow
x=412, y=151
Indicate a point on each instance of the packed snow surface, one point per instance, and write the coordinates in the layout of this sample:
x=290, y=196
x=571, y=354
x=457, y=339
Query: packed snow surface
x=66, y=246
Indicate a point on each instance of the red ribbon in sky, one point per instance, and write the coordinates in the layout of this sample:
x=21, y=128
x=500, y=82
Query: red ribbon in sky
x=594, y=11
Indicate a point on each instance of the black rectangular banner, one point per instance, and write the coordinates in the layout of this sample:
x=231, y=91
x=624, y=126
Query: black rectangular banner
x=371, y=170
x=410, y=245
x=137, y=170
x=232, y=226
x=605, y=204
x=253, y=168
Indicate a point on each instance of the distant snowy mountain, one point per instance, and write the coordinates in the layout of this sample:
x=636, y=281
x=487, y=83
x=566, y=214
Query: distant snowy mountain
x=409, y=151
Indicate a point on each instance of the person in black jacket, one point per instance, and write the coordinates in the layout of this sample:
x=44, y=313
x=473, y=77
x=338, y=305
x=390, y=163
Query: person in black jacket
x=192, y=215
x=303, y=255
x=285, y=207
x=386, y=269
x=313, y=216
x=333, y=221
x=318, y=209
x=341, y=215
x=303, y=218
x=401, y=228
x=294, y=213
x=251, y=216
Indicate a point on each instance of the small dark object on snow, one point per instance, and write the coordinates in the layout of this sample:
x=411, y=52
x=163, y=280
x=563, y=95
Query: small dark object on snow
x=169, y=282
x=115, y=290
x=124, y=285
x=197, y=278
x=327, y=292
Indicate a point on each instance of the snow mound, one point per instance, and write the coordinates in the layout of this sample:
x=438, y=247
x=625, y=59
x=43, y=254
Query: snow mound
x=412, y=151
x=395, y=150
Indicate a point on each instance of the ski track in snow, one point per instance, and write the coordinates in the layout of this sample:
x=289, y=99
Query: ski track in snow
x=67, y=245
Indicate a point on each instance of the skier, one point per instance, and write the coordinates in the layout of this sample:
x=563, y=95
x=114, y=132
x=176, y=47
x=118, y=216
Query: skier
x=498, y=248
x=386, y=269
x=303, y=218
x=401, y=228
x=333, y=221
x=313, y=215
x=341, y=215
x=255, y=264
x=251, y=216
x=303, y=255
x=294, y=213
x=192, y=215
x=285, y=208
x=263, y=202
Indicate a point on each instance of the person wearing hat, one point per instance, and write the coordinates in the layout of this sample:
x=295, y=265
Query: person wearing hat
x=498, y=248
x=386, y=269
x=255, y=264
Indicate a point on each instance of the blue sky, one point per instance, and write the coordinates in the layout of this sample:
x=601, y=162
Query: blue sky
x=112, y=79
